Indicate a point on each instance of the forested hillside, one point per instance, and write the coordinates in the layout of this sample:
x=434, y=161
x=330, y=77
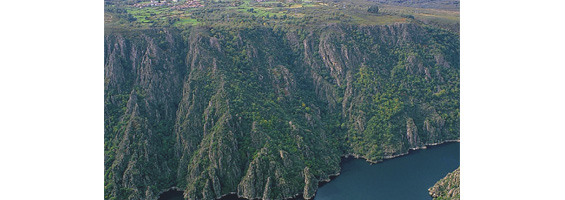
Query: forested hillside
x=266, y=110
x=268, y=113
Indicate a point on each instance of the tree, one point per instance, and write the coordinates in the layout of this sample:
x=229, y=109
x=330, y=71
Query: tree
x=373, y=9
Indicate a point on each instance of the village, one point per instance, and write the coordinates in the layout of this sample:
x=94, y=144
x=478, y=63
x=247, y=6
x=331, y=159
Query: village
x=189, y=4
x=156, y=3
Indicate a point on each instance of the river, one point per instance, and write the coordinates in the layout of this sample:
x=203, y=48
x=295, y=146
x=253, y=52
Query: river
x=406, y=177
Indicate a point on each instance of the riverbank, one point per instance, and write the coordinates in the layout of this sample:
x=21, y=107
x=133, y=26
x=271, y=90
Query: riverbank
x=397, y=155
x=331, y=177
x=407, y=177
x=347, y=156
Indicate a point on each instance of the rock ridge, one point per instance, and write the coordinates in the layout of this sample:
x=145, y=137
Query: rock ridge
x=268, y=113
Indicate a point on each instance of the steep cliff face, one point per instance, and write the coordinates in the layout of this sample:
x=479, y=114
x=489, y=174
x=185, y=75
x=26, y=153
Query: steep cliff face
x=143, y=76
x=267, y=113
x=447, y=187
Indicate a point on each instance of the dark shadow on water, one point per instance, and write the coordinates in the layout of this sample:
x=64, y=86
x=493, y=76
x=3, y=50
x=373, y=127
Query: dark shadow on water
x=171, y=195
x=231, y=197
x=178, y=195
x=343, y=160
x=234, y=197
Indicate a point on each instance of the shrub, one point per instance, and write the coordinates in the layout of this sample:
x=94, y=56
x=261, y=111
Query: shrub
x=373, y=9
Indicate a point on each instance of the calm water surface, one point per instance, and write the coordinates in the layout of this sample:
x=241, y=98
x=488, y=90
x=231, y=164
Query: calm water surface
x=171, y=195
x=406, y=177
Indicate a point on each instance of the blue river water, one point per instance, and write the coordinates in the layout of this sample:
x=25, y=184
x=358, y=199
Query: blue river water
x=404, y=178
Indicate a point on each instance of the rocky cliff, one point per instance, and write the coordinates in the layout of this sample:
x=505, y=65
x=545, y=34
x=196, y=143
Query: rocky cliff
x=266, y=113
x=447, y=187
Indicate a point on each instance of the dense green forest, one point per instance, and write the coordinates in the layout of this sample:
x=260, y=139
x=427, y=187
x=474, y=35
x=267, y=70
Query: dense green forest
x=264, y=105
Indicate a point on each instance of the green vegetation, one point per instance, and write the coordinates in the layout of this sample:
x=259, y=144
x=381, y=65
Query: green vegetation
x=270, y=13
x=263, y=98
x=447, y=188
x=373, y=9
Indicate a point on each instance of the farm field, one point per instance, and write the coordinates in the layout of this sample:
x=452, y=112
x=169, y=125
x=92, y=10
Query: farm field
x=274, y=13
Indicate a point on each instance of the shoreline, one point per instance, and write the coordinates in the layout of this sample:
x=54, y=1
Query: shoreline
x=322, y=182
x=229, y=193
x=174, y=188
x=333, y=176
x=397, y=155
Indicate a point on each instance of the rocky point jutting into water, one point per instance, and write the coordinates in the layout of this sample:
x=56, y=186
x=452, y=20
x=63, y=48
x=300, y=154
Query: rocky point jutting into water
x=267, y=113
x=447, y=187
